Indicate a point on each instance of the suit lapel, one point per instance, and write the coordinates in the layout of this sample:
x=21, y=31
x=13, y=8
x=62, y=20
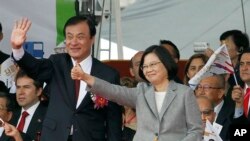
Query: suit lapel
x=225, y=112
x=150, y=98
x=70, y=84
x=170, y=95
x=15, y=116
x=36, y=119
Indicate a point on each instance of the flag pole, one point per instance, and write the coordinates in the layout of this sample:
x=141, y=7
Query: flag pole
x=236, y=82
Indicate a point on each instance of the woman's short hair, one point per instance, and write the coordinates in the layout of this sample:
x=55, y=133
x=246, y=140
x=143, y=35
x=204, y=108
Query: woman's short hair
x=165, y=58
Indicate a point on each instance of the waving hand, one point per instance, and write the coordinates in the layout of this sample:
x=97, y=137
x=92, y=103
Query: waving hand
x=19, y=33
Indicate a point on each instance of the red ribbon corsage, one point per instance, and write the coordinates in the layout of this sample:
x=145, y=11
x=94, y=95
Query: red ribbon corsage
x=99, y=101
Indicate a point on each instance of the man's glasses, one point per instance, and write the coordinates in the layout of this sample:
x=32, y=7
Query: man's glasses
x=151, y=65
x=206, y=87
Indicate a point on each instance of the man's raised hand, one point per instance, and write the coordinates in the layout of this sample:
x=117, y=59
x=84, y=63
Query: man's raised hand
x=19, y=33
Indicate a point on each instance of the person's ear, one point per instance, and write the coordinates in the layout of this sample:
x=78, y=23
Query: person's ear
x=93, y=40
x=176, y=60
x=9, y=116
x=39, y=91
x=131, y=72
x=221, y=93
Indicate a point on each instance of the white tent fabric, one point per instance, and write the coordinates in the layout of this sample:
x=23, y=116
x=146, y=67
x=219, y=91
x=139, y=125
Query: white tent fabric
x=143, y=23
x=182, y=21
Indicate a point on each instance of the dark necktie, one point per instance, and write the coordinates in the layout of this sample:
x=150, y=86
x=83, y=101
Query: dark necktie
x=22, y=121
x=77, y=88
x=246, y=101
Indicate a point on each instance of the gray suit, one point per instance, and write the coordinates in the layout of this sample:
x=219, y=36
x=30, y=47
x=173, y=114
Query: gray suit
x=179, y=119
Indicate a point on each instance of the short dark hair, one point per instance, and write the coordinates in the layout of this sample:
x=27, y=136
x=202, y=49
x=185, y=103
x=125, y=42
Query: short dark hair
x=176, y=50
x=9, y=104
x=164, y=56
x=239, y=38
x=21, y=73
x=247, y=50
x=3, y=87
x=78, y=19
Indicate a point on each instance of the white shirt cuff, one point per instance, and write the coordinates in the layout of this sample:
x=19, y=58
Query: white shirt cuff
x=18, y=53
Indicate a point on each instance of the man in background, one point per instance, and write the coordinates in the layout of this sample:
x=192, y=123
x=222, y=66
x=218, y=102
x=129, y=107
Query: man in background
x=206, y=107
x=135, y=66
x=174, y=52
x=6, y=112
x=213, y=87
x=30, y=116
x=241, y=95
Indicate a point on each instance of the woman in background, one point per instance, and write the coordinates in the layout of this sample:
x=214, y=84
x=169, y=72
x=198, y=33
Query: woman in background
x=193, y=65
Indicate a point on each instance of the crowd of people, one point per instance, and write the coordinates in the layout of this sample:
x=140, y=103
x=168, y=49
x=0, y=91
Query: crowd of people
x=87, y=100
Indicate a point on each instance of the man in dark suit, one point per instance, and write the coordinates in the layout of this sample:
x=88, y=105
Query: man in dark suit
x=213, y=87
x=3, y=56
x=28, y=93
x=6, y=111
x=241, y=95
x=72, y=114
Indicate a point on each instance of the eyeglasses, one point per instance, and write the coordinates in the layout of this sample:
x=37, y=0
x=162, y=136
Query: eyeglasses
x=206, y=87
x=207, y=112
x=151, y=65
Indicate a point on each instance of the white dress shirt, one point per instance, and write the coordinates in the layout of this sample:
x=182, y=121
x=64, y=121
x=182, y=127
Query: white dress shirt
x=159, y=98
x=86, y=66
x=217, y=109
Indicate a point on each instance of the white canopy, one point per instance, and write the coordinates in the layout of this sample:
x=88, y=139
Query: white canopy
x=182, y=21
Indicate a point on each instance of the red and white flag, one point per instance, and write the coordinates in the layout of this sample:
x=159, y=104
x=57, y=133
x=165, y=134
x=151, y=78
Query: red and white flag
x=218, y=63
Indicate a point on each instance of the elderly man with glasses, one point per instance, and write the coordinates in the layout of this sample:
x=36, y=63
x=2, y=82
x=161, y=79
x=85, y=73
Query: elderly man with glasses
x=213, y=87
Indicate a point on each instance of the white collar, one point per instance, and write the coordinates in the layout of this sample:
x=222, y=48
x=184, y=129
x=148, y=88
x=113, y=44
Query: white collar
x=218, y=108
x=32, y=109
x=84, y=62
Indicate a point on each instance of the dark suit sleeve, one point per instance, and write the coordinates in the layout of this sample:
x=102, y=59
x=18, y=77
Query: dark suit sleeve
x=114, y=117
x=25, y=137
x=39, y=69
